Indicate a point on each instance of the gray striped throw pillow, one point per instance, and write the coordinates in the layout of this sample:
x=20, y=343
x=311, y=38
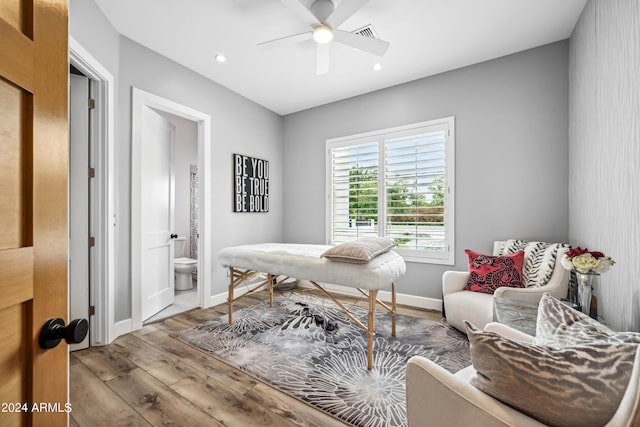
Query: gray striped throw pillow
x=576, y=386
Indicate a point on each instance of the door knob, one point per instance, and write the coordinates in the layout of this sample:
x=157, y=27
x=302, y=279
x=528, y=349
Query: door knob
x=174, y=236
x=54, y=331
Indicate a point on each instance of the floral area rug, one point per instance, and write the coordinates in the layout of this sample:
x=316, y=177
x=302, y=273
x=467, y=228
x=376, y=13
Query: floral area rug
x=296, y=347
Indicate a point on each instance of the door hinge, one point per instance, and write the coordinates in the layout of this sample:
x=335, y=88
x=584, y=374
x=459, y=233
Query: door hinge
x=92, y=310
x=91, y=104
x=92, y=241
x=92, y=172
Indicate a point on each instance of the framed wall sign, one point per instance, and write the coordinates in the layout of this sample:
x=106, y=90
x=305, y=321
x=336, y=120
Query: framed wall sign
x=251, y=184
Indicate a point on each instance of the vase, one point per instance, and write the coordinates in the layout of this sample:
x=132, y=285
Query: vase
x=586, y=282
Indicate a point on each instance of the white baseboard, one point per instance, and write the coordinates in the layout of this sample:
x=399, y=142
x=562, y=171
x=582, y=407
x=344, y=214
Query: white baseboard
x=385, y=296
x=419, y=302
x=120, y=328
x=218, y=299
x=404, y=299
x=126, y=326
x=222, y=298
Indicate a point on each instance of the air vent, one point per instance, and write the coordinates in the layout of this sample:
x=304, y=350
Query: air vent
x=367, y=31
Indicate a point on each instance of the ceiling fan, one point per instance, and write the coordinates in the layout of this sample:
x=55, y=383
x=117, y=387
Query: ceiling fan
x=324, y=18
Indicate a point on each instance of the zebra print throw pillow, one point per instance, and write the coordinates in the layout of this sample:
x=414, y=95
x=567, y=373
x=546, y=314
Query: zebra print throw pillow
x=559, y=325
x=578, y=386
x=539, y=260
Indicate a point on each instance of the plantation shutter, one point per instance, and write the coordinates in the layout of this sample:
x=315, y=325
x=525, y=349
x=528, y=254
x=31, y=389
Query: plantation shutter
x=354, y=189
x=397, y=183
x=415, y=189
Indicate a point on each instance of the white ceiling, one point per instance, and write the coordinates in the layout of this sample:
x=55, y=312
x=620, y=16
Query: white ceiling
x=426, y=37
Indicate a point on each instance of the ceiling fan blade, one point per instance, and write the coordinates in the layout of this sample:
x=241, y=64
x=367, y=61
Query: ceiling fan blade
x=301, y=10
x=367, y=44
x=283, y=41
x=344, y=11
x=322, y=58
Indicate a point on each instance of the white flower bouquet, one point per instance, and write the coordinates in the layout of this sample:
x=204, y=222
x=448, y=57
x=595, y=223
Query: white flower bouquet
x=585, y=261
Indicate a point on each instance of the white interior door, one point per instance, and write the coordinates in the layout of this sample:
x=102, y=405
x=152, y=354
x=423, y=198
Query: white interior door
x=79, y=274
x=157, y=204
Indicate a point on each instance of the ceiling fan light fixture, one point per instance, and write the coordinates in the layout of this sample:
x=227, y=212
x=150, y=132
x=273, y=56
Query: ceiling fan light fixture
x=322, y=33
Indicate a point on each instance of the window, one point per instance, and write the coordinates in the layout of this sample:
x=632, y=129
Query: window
x=397, y=183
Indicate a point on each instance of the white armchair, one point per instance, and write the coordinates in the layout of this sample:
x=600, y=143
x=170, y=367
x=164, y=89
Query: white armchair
x=477, y=308
x=436, y=397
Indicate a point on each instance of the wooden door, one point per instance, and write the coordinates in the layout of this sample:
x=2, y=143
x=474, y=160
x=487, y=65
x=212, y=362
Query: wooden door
x=33, y=209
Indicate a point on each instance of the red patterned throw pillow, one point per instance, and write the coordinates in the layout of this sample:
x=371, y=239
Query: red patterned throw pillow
x=487, y=272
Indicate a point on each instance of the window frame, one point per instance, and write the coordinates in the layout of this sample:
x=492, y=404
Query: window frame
x=445, y=257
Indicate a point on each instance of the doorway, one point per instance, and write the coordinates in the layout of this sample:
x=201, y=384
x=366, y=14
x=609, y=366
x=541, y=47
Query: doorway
x=184, y=210
x=104, y=327
x=144, y=257
x=80, y=208
x=100, y=134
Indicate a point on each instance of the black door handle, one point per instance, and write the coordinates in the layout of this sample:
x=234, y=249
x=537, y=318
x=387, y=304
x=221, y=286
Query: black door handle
x=174, y=236
x=54, y=331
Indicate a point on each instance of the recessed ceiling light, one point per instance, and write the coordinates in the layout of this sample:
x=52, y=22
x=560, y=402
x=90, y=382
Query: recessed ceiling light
x=377, y=67
x=221, y=58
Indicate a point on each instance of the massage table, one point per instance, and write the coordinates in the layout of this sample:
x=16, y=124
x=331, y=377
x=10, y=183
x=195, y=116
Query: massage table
x=281, y=261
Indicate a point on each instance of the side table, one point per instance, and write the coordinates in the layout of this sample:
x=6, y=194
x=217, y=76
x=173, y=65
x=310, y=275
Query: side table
x=518, y=314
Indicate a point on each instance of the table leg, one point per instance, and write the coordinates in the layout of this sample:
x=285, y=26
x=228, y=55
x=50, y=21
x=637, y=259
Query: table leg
x=271, y=278
x=393, y=309
x=230, y=296
x=373, y=293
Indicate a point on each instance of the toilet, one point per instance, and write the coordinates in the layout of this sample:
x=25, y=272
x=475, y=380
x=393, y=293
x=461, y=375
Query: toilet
x=183, y=267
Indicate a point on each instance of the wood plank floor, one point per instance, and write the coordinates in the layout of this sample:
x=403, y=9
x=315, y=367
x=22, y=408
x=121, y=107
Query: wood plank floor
x=148, y=378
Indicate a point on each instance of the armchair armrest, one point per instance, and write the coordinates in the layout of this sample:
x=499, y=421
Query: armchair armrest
x=557, y=285
x=558, y=289
x=435, y=397
x=628, y=413
x=454, y=281
x=532, y=295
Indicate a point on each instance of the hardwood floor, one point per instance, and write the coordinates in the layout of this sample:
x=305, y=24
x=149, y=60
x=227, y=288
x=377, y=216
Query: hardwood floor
x=148, y=378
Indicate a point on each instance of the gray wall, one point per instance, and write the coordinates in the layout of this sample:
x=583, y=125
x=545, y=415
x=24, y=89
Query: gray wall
x=90, y=28
x=511, y=148
x=511, y=152
x=604, y=147
x=238, y=126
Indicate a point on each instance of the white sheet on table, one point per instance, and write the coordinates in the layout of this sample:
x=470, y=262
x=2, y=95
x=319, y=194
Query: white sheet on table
x=302, y=261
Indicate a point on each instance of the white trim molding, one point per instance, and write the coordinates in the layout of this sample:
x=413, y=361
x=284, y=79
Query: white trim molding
x=385, y=296
x=103, y=330
x=142, y=99
x=385, y=156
